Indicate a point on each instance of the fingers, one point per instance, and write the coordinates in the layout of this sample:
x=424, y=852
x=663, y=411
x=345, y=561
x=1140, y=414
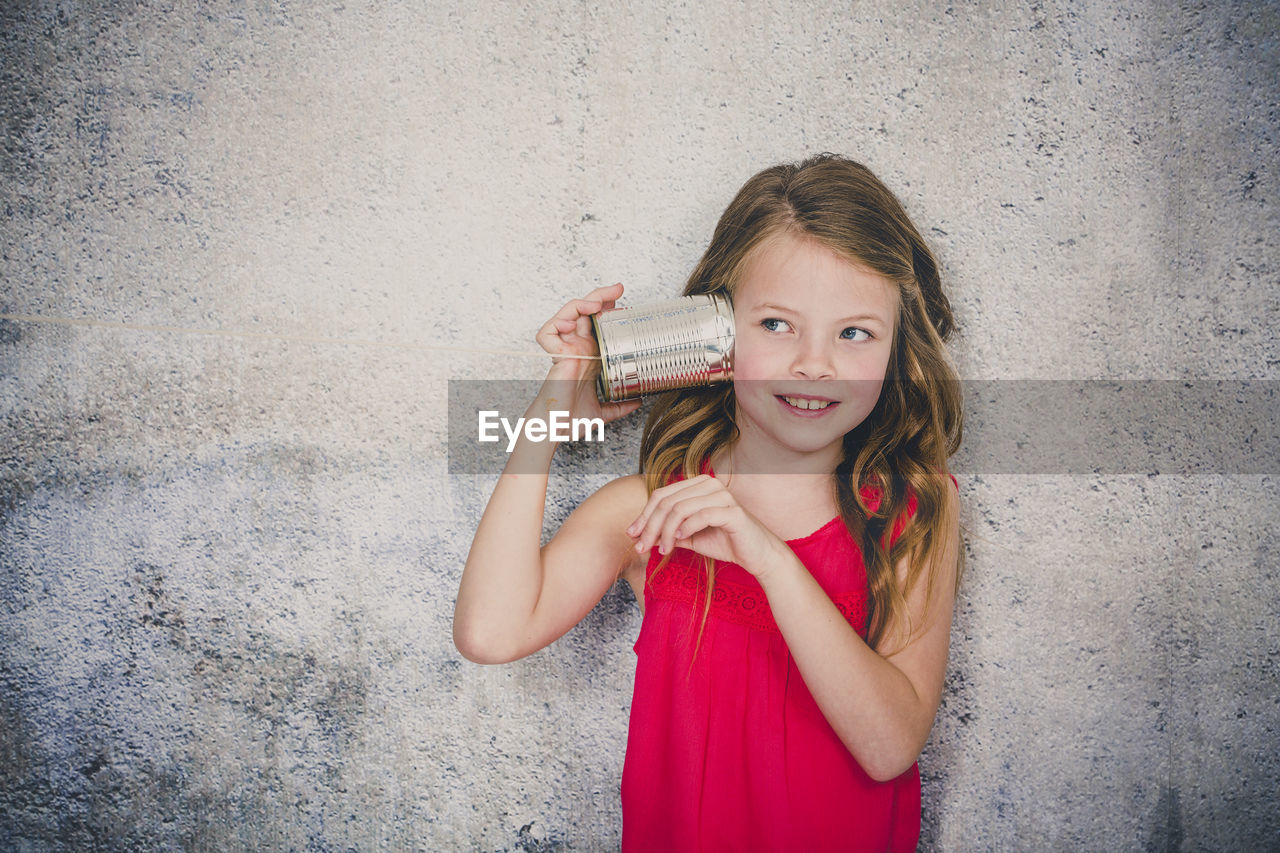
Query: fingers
x=600, y=299
x=663, y=520
x=658, y=496
x=571, y=311
x=711, y=515
x=607, y=295
x=565, y=322
x=613, y=411
x=574, y=317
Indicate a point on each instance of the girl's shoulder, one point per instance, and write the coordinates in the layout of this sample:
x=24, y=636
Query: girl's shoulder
x=596, y=531
x=612, y=509
x=624, y=493
x=613, y=506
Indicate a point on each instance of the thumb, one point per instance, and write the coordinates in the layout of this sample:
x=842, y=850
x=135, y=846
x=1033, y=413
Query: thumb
x=613, y=411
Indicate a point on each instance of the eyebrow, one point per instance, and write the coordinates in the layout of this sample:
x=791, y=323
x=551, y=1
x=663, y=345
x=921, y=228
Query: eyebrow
x=855, y=318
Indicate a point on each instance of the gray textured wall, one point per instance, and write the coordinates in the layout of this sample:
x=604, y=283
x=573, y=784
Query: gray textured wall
x=227, y=564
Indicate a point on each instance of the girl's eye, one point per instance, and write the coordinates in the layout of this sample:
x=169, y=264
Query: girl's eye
x=853, y=333
x=773, y=324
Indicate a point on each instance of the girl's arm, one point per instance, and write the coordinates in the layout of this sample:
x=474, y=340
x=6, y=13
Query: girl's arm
x=881, y=704
x=515, y=597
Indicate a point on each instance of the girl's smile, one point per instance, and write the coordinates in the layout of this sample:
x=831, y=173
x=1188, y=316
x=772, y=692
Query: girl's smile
x=805, y=406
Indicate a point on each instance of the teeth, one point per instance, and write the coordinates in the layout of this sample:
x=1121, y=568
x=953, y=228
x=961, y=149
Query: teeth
x=807, y=404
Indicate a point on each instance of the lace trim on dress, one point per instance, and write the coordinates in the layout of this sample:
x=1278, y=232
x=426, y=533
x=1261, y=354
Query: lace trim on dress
x=738, y=602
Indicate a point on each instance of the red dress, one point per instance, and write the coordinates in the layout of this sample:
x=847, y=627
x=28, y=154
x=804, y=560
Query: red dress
x=727, y=749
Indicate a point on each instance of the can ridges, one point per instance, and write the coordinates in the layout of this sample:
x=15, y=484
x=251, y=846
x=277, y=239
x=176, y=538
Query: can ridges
x=676, y=343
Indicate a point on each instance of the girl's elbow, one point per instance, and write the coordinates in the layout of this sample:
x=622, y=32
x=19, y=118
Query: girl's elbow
x=889, y=760
x=888, y=768
x=898, y=747
x=476, y=646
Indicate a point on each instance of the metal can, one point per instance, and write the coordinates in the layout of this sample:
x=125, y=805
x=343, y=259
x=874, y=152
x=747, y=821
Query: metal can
x=676, y=343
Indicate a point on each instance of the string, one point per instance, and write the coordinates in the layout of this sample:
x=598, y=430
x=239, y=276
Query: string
x=304, y=339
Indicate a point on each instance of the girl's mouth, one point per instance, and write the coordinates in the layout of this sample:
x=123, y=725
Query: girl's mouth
x=807, y=406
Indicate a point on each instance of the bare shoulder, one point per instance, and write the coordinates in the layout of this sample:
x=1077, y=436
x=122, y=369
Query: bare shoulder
x=616, y=502
x=632, y=494
x=626, y=497
x=599, y=524
x=629, y=491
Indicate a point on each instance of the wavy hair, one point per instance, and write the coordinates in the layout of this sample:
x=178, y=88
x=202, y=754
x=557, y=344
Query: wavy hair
x=898, y=454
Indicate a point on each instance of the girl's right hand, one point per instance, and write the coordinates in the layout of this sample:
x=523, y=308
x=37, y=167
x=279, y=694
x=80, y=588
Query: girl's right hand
x=569, y=333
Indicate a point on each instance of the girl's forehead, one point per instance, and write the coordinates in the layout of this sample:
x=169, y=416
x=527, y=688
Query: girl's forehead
x=797, y=269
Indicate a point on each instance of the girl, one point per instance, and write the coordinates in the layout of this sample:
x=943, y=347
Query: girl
x=792, y=537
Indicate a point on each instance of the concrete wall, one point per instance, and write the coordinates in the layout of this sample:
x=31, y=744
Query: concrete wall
x=227, y=564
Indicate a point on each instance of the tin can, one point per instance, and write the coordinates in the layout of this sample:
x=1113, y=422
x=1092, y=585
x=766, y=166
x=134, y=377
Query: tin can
x=676, y=343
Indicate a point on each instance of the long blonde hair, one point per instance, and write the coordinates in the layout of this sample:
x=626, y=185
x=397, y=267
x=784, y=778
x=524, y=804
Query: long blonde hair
x=899, y=453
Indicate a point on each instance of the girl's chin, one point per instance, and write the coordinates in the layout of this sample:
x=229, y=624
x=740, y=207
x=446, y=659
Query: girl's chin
x=783, y=447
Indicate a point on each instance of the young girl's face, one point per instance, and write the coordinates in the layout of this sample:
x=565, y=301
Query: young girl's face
x=814, y=334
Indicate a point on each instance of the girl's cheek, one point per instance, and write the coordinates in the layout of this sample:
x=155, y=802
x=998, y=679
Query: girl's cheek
x=879, y=368
x=869, y=365
x=747, y=364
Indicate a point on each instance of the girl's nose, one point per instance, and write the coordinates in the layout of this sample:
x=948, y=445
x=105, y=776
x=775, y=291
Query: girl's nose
x=813, y=361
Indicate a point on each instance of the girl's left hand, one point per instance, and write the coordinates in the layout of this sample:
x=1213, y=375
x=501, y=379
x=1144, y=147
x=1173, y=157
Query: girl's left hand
x=700, y=514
